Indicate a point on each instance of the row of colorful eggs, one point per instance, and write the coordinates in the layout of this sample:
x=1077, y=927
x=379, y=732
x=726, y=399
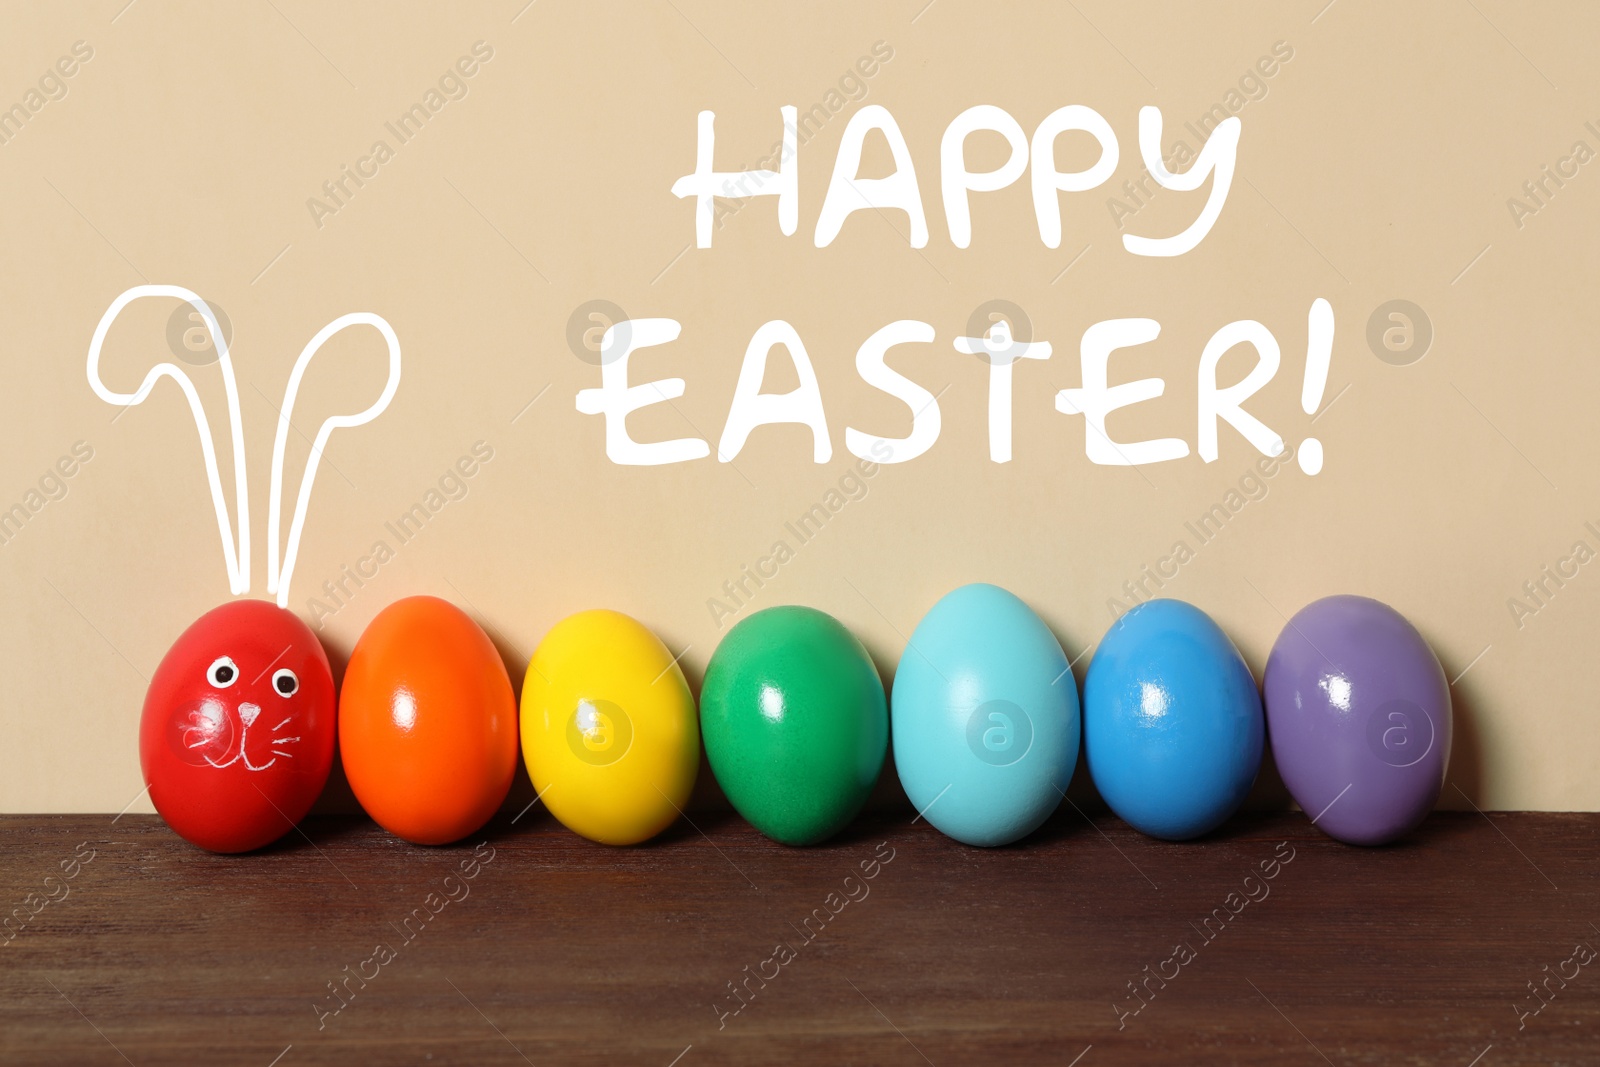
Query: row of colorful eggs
x=239, y=726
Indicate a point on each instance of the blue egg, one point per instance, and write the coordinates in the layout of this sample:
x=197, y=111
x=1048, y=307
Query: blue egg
x=1172, y=721
x=984, y=717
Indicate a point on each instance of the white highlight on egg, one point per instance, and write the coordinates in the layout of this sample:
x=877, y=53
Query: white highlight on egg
x=590, y=721
x=1152, y=699
x=403, y=709
x=771, y=703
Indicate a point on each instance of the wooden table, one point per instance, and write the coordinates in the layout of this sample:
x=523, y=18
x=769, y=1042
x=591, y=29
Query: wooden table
x=536, y=946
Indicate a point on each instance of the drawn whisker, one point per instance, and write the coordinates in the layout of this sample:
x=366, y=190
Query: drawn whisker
x=275, y=752
x=282, y=724
x=283, y=740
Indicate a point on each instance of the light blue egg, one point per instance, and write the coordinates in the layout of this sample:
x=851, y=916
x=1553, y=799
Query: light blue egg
x=984, y=717
x=1172, y=721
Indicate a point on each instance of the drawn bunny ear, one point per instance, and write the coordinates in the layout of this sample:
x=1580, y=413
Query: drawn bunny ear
x=238, y=562
x=278, y=577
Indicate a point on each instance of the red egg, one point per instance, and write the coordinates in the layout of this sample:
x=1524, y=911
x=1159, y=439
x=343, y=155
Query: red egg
x=427, y=723
x=237, y=735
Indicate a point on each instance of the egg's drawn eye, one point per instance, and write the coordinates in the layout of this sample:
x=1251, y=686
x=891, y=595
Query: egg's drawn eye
x=285, y=682
x=223, y=672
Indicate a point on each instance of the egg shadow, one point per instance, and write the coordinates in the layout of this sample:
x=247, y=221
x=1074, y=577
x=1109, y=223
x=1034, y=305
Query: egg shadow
x=310, y=834
x=336, y=798
x=1268, y=793
x=1436, y=829
x=1465, y=768
x=707, y=796
x=1243, y=825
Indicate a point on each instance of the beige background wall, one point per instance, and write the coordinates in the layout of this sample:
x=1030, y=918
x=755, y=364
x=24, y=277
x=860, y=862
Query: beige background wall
x=1376, y=164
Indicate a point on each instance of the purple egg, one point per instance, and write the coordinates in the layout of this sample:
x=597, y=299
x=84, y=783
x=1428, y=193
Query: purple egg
x=1358, y=715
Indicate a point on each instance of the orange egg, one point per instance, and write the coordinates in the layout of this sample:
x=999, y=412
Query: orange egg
x=427, y=722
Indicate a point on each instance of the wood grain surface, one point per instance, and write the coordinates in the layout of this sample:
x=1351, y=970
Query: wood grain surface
x=527, y=944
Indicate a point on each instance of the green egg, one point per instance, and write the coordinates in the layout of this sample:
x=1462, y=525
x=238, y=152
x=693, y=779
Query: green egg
x=795, y=723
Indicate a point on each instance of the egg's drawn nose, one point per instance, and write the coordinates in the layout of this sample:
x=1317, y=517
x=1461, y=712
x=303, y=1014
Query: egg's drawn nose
x=248, y=713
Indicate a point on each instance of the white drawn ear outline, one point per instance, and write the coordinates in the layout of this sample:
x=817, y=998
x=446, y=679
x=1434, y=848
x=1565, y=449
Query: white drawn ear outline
x=238, y=563
x=278, y=578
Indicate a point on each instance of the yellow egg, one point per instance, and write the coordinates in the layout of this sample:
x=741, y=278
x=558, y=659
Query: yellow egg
x=609, y=730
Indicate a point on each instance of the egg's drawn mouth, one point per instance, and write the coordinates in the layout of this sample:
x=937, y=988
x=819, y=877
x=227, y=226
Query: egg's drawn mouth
x=248, y=714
